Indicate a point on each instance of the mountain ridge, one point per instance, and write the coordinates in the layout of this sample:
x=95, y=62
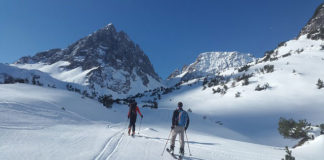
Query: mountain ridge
x=314, y=29
x=112, y=61
x=211, y=63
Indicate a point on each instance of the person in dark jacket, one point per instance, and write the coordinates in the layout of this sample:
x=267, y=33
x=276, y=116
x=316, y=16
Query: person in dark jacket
x=180, y=123
x=132, y=115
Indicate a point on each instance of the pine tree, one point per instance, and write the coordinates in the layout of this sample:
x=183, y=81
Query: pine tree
x=106, y=100
x=322, y=128
x=233, y=84
x=238, y=94
x=246, y=82
x=320, y=84
x=288, y=155
x=289, y=128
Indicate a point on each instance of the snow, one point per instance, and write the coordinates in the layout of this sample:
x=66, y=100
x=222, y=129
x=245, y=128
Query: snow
x=34, y=126
x=256, y=113
x=117, y=78
x=52, y=123
x=311, y=150
x=79, y=58
x=217, y=61
x=44, y=79
x=76, y=75
x=47, y=123
x=209, y=64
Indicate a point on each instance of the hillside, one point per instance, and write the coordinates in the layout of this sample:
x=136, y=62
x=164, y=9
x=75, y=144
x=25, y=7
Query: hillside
x=56, y=124
x=35, y=126
x=250, y=99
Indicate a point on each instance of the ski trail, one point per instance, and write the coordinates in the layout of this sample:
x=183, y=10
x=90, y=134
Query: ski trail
x=116, y=146
x=110, y=147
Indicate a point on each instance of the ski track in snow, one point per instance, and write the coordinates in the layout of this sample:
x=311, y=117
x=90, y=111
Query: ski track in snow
x=110, y=146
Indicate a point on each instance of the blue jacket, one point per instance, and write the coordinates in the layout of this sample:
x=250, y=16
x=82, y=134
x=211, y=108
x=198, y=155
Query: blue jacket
x=183, y=116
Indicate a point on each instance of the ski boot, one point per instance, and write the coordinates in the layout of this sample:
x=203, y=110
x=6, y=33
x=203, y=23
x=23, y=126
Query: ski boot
x=171, y=149
x=181, y=153
x=129, y=131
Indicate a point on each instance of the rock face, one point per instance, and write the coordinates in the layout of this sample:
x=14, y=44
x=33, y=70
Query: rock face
x=210, y=63
x=314, y=29
x=114, y=61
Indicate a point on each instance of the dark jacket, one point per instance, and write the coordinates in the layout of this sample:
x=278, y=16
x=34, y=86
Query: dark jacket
x=175, y=119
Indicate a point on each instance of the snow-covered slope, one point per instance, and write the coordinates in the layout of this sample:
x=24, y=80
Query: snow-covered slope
x=50, y=123
x=56, y=70
x=250, y=99
x=210, y=64
x=106, y=61
x=310, y=150
x=292, y=92
x=11, y=74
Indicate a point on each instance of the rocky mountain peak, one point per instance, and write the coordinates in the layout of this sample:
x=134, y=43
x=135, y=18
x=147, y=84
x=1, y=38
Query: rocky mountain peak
x=314, y=29
x=106, y=52
x=110, y=26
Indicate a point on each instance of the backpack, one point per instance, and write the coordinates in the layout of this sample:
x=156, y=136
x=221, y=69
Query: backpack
x=132, y=109
x=182, y=118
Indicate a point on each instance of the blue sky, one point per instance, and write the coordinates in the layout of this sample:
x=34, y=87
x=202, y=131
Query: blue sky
x=171, y=32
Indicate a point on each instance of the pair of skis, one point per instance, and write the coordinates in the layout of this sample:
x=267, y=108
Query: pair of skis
x=175, y=156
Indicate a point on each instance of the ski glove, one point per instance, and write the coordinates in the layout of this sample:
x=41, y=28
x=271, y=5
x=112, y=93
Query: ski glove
x=128, y=117
x=186, y=128
x=172, y=127
x=142, y=116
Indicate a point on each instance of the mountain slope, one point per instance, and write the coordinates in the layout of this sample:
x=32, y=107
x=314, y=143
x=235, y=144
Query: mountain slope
x=281, y=84
x=106, y=61
x=251, y=99
x=35, y=126
x=311, y=150
x=210, y=64
x=10, y=74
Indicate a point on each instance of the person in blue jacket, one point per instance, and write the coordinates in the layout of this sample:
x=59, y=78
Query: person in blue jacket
x=180, y=123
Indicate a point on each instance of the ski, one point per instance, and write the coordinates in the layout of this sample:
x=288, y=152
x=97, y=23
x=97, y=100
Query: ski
x=175, y=156
x=171, y=153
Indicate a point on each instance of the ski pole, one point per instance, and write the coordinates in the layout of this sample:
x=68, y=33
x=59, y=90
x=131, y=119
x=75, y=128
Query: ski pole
x=188, y=143
x=166, y=142
x=140, y=126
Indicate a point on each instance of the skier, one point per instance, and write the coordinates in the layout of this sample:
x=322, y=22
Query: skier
x=180, y=123
x=132, y=115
